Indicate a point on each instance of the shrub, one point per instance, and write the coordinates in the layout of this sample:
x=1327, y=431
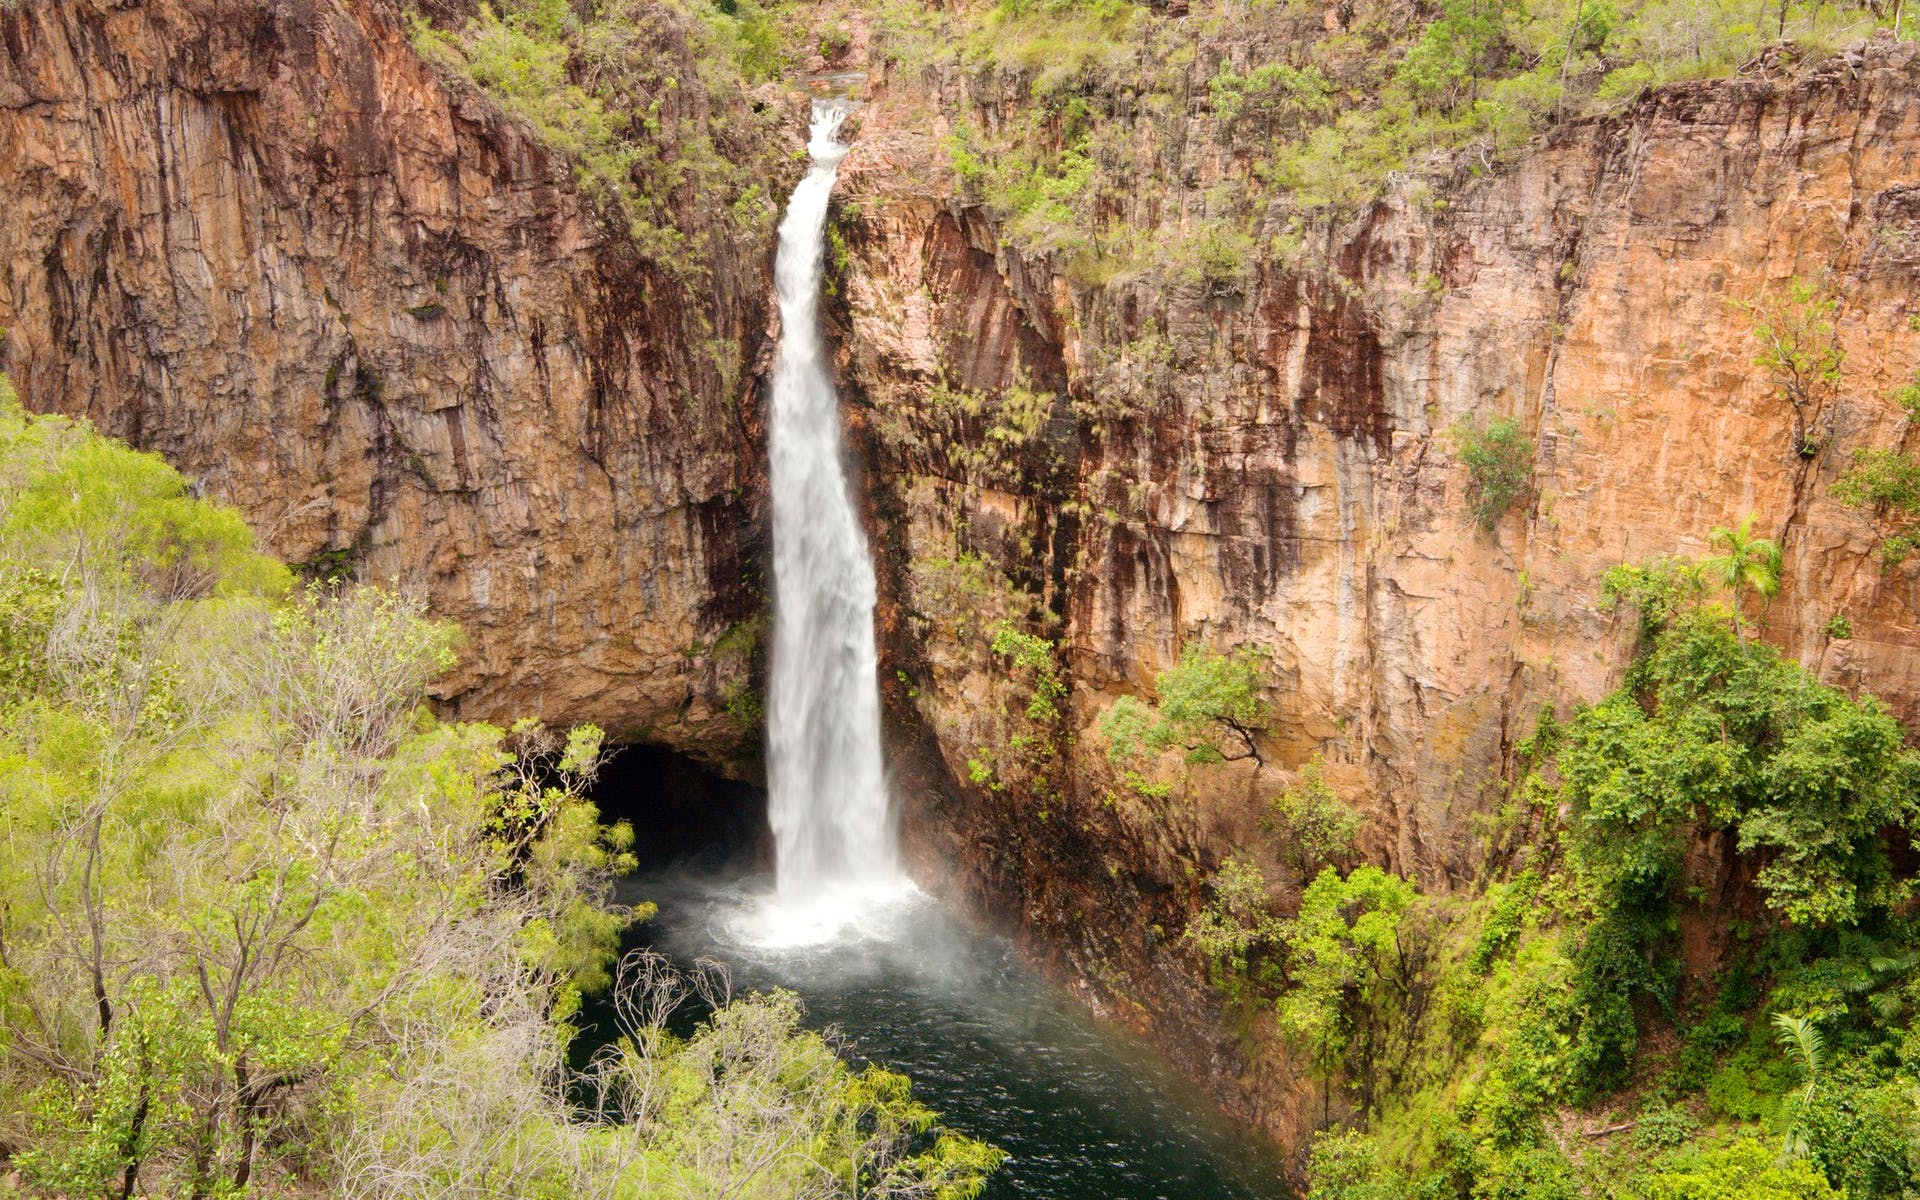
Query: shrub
x=1033, y=656
x=1219, y=259
x=1512, y=901
x=1316, y=827
x=1343, y=1164
x=1889, y=482
x=1499, y=461
x=1745, y=1170
x=1715, y=730
x=1270, y=95
x=1880, y=477
x=1800, y=347
x=1237, y=922
x=1357, y=977
x=592, y=85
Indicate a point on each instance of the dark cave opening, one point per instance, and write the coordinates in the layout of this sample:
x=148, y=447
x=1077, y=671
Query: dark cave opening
x=683, y=813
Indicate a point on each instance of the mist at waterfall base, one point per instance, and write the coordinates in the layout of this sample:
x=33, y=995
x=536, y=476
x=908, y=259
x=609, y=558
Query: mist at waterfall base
x=1086, y=1111
x=1082, y=1111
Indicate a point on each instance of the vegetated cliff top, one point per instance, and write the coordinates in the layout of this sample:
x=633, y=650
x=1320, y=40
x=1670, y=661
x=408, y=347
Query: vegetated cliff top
x=1312, y=102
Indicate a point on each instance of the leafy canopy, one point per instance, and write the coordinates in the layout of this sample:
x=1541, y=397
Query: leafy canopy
x=1209, y=704
x=1714, y=730
x=262, y=915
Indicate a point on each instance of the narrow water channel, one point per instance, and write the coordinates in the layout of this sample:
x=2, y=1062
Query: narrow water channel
x=1087, y=1112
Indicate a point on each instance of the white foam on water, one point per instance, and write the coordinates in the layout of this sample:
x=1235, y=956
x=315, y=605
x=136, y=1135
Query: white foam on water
x=852, y=913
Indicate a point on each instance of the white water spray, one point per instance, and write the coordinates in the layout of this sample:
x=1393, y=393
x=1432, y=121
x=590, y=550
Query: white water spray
x=827, y=787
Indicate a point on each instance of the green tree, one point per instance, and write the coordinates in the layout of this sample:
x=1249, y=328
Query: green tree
x=1499, y=461
x=1358, y=974
x=1800, y=346
x=1446, y=66
x=1237, y=922
x=261, y=912
x=1315, y=825
x=1744, y=1170
x=1714, y=730
x=1746, y=564
x=1209, y=704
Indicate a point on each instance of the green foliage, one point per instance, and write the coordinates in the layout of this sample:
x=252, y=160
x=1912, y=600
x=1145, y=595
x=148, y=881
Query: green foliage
x=1907, y=396
x=1659, y=590
x=1269, y=97
x=1664, y=1127
x=1034, y=656
x=1457, y=51
x=1713, y=731
x=1318, y=115
x=265, y=917
x=1237, y=923
x=1725, y=732
x=1536, y=1011
x=67, y=494
x=1062, y=44
x=1345, y=1165
x=1512, y=901
x=1898, y=548
x=1499, y=461
x=1613, y=966
x=1357, y=963
x=1746, y=563
x=1860, y=1131
x=1744, y=1170
x=1218, y=259
x=598, y=85
x=995, y=435
x=1887, y=482
x=1315, y=826
x=1880, y=477
x=1204, y=700
x=1799, y=345
x=1130, y=728
x=1801, y=1039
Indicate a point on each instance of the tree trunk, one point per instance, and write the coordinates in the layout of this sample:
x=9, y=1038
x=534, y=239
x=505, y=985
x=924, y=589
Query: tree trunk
x=130, y=1177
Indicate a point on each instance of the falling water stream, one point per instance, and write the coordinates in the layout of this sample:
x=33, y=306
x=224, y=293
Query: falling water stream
x=827, y=786
x=1086, y=1112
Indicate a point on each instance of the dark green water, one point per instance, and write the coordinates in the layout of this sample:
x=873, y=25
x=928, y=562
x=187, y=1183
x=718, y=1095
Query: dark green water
x=1086, y=1112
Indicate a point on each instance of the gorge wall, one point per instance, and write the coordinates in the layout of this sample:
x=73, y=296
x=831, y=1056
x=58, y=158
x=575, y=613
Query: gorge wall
x=348, y=294
x=353, y=298
x=1271, y=466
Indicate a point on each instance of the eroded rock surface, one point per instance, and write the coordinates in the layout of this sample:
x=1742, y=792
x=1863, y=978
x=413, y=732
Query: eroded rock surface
x=267, y=241
x=1271, y=466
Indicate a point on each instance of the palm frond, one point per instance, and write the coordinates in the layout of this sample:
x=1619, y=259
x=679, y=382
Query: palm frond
x=1801, y=1038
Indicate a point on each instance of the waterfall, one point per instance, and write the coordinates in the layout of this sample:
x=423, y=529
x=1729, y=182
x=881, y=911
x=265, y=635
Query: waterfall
x=827, y=786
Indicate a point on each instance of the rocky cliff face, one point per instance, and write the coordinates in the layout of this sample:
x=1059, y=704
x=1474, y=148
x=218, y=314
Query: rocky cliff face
x=1271, y=466
x=352, y=297
x=270, y=243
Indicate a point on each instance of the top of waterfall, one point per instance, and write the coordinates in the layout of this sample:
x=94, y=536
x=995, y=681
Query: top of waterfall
x=823, y=136
x=837, y=85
